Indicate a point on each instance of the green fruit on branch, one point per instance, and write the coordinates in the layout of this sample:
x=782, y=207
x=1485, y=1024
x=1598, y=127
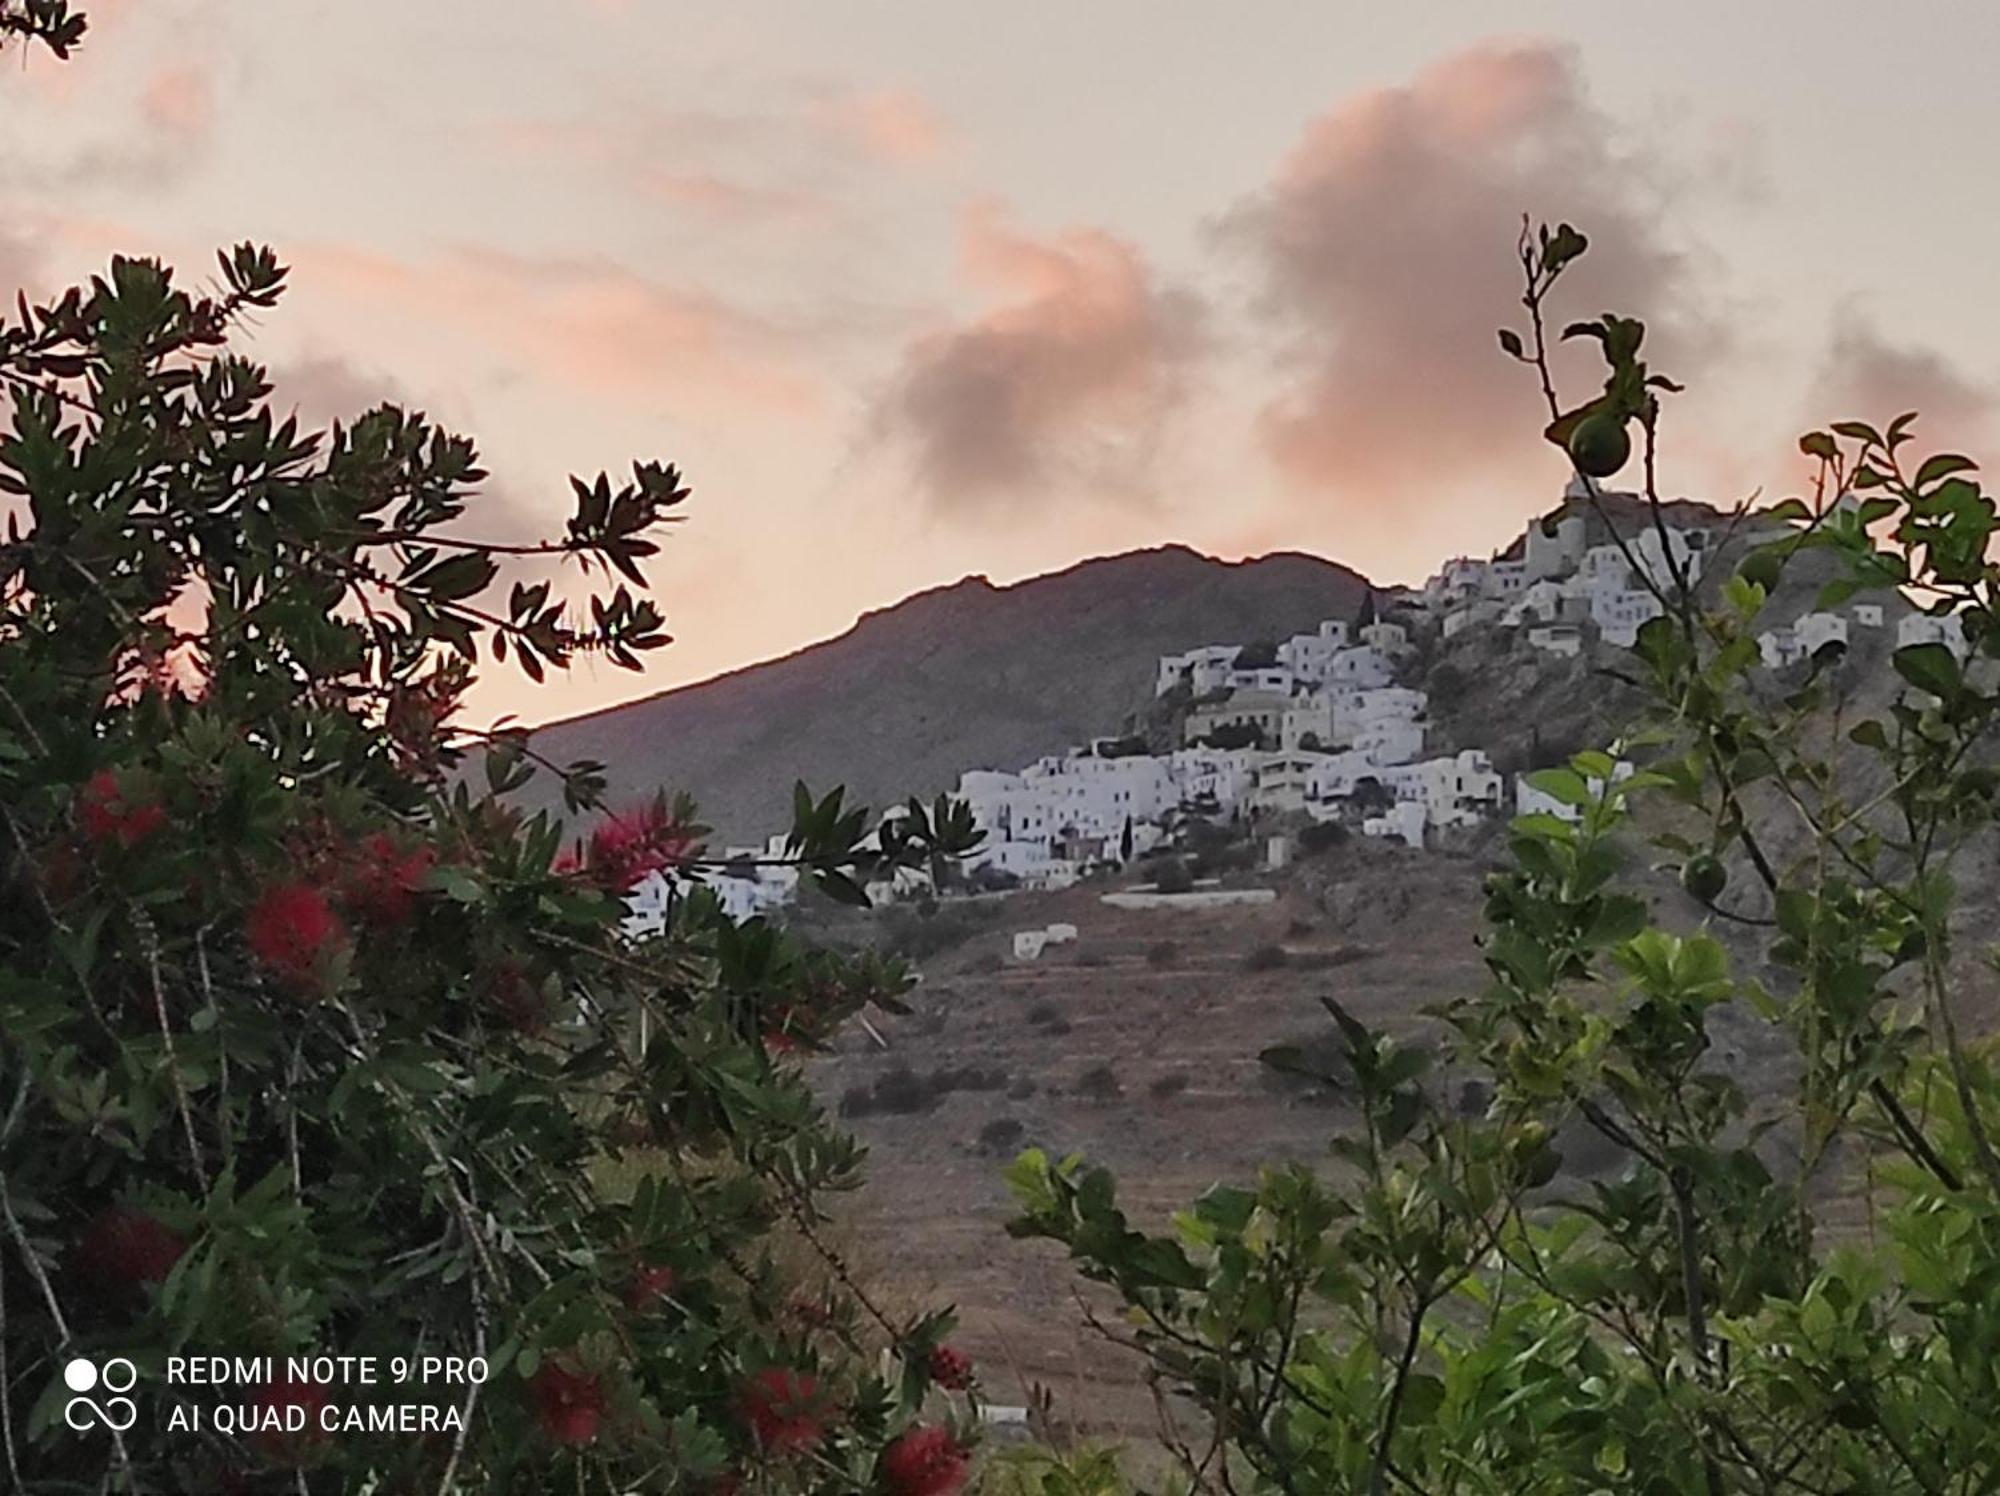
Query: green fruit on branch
x=1600, y=445
x=1704, y=877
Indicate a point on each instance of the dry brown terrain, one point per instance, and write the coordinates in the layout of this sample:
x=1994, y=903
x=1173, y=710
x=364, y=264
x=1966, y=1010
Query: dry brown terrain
x=1175, y=1005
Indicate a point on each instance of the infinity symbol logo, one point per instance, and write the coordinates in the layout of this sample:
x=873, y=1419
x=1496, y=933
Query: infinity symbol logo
x=115, y=1413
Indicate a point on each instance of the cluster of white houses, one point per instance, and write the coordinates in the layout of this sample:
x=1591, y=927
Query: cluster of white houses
x=1316, y=726
x=1809, y=633
x=1556, y=584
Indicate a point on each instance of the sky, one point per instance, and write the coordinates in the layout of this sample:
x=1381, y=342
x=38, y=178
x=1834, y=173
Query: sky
x=917, y=289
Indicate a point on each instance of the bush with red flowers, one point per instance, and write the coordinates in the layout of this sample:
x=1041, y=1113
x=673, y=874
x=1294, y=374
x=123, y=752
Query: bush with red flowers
x=315, y=1042
x=924, y=1460
x=123, y=1246
x=294, y=932
x=784, y=1410
x=951, y=1369
x=568, y=1404
x=106, y=815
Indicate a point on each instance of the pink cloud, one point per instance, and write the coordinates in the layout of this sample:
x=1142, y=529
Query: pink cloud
x=893, y=125
x=179, y=101
x=322, y=388
x=1069, y=380
x=588, y=323
x=1385, y=242
x=1865, y=377
x=720, y=198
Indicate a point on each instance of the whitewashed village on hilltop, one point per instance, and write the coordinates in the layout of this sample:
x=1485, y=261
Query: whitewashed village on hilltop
x=1319, y=728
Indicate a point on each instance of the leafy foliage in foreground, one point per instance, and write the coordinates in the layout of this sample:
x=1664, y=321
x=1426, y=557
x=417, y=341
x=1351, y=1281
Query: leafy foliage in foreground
x=1788, y=1292
x=312, y=1045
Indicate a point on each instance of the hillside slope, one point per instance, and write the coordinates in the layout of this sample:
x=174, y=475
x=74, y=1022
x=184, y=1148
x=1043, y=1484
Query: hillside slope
x=965, y=676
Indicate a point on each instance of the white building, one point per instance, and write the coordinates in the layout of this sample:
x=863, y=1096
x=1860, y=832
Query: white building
x=1815, y=631
x=1386, y=636
x=1454, y=791
x=1263, y=710
x=1619, y=615
x=1284, y=782
x=1404, y=821
x=1274, y=678
x=1360, y=665
x=1780, y=648
x=1470, y=615
x=750, y=881
x=1395, y=741
x=1564, y=639
x=1333, y=779
x=1200, y=670
x=1306, y=723
x=1310, y=656
x=1213, y=781
x=1543, y=601
x=1922, y=628
x=1554, y=544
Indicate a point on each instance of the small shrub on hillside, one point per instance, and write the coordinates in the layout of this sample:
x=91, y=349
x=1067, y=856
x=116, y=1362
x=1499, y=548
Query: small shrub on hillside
x=967, y=1078
x=1092, y=959
x=1321, y=836
x=1266, y=958
x=1345, y=955
x=1172, y=876
x=985, y=964
x=1003, y=1135
x=857, y=1101
x=1048, y=1018
x=1168, y=1085
x=1235, y=857
x=922, y=930
x=1099, y=1083
x=1162, y=953
x=901, y=1091
x=1022, y=1089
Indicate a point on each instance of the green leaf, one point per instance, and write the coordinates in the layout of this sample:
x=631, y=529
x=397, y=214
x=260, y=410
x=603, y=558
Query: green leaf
x=1943, y=465
x=1565, y=785
x=1928, y=667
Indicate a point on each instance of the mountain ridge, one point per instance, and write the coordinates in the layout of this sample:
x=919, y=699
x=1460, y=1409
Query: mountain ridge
x=961, y=675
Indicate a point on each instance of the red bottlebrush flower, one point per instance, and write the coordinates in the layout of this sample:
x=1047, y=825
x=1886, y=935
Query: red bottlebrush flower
x=784, y=1409
x=121, y=1245
x=382, y=880
x=923, y=1461
x=291, y=928
x=569, y=1405
x=790, y=1027
x=951, y=1369
x=647, y=1284
x=627, y=849
x=287, y=1418
x=107, y=816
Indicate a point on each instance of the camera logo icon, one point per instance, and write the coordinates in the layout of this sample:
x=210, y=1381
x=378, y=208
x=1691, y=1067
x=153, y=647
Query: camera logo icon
x=115, y=1413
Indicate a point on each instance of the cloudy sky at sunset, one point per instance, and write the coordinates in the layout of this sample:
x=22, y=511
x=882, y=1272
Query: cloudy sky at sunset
x=917, y=289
